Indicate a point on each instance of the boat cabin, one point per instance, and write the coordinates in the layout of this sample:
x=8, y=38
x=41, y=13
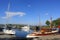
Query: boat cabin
x=25, y=28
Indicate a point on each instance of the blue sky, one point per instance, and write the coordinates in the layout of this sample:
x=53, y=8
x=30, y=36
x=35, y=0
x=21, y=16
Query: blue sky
x=31, y=11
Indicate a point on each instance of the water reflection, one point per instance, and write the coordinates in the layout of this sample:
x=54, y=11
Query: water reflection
x=21, y=33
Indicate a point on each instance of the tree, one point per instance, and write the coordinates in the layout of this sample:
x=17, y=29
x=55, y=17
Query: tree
x=47, y=22
x=56, y=22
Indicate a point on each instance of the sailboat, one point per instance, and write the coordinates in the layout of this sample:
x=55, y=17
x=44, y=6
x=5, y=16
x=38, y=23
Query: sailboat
x=44, y=32
x=7, y=29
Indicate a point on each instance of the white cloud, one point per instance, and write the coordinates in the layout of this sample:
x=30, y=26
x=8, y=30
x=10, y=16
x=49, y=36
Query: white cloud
x=46, y=14
x=11, y=14
x=29, y=5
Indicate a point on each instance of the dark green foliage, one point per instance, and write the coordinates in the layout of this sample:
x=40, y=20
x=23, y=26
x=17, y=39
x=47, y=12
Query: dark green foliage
x=47, y=22
x=54, y=22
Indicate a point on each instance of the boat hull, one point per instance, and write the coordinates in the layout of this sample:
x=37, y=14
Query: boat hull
x=11, y=32
x=39, y=35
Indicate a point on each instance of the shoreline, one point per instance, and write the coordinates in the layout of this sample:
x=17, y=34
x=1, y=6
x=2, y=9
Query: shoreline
x=13, y=37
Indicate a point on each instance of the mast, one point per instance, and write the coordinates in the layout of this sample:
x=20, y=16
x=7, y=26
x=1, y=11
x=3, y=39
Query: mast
x=51, y=22
x=7, y=14
x=39, y=22
x=8, y=6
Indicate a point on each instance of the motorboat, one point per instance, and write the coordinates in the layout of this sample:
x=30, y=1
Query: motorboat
x=26, y=28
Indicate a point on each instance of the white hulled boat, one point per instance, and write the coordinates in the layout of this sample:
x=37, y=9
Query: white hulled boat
x=8, y=31
x=25, y=28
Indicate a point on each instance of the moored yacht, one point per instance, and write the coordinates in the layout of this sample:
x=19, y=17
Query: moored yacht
x=25, y=28
x=8, y=31
x=43, y=32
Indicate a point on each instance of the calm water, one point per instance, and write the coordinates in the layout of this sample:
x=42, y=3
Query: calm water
x=21, y=33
